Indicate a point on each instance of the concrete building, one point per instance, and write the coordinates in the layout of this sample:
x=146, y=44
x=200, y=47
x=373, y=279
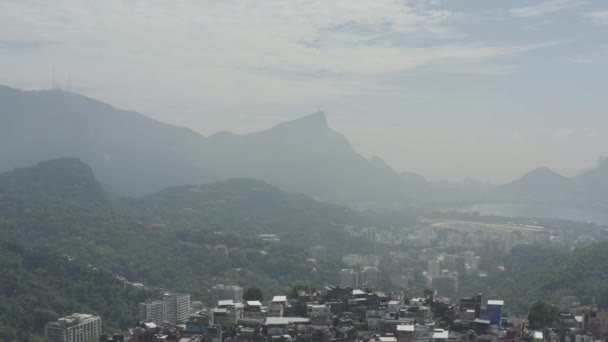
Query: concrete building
x=370, y=276
x=370, y=233
x=318, y=252
x=153, y=311
x=269, y=238
x=493, y=312
x=446, y=284
x=177, y=307
x=277, y=306
x=348, y=278
x=223, y=292
x=434, y=267
x=471, y=260
x=75, y=328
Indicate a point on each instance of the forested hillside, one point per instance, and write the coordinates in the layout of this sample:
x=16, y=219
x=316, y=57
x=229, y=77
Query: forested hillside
x=534, y=272
x=182, y=239
x=39, y=285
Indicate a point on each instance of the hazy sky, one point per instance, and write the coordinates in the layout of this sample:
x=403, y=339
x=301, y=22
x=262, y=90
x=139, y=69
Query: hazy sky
x=450, y=89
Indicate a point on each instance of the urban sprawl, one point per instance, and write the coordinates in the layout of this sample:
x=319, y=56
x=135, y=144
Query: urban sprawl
x=425, y=305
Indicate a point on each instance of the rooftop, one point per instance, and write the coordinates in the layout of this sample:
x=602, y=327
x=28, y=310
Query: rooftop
x=388, y=339
x=408, y=327
x=285, y=320
x=227, y=302
x=279, y=298
x=440, y=334
x=74, y=319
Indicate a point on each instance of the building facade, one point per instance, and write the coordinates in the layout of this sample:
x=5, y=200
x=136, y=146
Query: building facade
x=153, y=311
x=223, y=292
x=348, y=278
x=370, y=276
x=177, y=307
x=75, y=328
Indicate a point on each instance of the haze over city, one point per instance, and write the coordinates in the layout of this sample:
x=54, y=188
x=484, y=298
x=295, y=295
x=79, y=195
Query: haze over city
x=304, y=170
x=448, y=89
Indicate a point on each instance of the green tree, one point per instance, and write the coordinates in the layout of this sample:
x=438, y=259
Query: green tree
x=542, y=314
x=253, y=293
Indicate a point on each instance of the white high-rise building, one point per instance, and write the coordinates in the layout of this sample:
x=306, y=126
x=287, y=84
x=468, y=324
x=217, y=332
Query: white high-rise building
x=370, y=275
x=75, y=328
x=222, y=292
x=434, y=268
x=348, y=278
x=153, y=311
x=177, y=307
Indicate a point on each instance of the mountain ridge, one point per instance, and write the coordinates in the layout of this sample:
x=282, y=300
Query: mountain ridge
x=544, y=185
x=135, y=155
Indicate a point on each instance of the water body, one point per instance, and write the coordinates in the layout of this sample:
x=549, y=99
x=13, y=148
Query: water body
x=539, y=210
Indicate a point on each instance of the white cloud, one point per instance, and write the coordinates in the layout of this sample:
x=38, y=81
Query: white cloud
x=545, y=7
x=238, y=52
x=598, y=17
x=334, y=37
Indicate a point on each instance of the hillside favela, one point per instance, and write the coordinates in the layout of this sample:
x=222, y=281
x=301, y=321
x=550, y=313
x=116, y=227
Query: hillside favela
x=304, y=171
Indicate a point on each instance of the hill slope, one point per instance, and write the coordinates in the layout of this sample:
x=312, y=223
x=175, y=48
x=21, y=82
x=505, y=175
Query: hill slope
x=65, y=178
x=129, y=152
x=39, y=285
x=541, y=184
x=167, y=239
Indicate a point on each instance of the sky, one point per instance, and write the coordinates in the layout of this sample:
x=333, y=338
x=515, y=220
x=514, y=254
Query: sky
x=450, y=89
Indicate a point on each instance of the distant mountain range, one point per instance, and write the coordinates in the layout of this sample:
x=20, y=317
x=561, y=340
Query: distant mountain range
x=132, y=154
x=544, y=185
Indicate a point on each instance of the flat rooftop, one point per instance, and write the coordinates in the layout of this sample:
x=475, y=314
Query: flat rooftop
x=285, y=320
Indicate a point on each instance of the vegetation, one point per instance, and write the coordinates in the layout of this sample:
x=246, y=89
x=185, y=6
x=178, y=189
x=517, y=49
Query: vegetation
x=64, y=243
x=546, y=273
x=41, y=285
x=253, y=293
x=543, y=314
x=184, y=239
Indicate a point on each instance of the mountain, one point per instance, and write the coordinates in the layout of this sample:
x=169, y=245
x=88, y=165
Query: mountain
x=544, y=185
x=133, y=154
x=65, y=178
x=541, y=184
x=306, y=155
x=129, y=152
x=593, y=183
